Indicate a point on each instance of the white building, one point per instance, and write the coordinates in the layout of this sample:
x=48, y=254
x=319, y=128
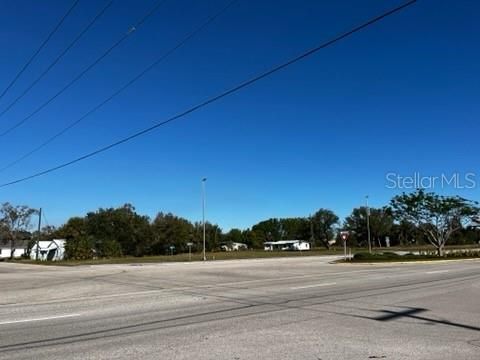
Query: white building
x=51, y=250
x=20, y=249
x=234, y=246
x=287, y=245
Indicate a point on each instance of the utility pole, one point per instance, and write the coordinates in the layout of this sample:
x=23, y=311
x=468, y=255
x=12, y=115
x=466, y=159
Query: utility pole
x=38, y=232
x=367, y=209
x=312, y=236
x=203, y=217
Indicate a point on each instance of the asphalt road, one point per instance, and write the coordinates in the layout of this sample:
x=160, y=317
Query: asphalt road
x=296, y=308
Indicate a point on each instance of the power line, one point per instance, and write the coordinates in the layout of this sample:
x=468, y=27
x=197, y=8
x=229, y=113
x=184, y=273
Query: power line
x=86, y=70
x=44, y=216
x=163, y=57
x=27, y=64
x=219, y=96
x=58, y=58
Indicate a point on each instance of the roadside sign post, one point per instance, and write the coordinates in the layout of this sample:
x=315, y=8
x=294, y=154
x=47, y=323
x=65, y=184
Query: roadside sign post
x=189, y=244
x=344, y=236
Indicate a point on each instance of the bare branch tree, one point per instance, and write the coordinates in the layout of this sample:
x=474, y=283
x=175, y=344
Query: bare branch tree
x=438, y=217
x=14, y=220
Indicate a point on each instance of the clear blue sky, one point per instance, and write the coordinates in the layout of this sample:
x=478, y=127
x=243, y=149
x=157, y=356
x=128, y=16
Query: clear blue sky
x=401, y=96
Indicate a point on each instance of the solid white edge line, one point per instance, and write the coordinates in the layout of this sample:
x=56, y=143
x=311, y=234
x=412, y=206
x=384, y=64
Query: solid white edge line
x=312, y=286
x=437, y=271
x=39, y=319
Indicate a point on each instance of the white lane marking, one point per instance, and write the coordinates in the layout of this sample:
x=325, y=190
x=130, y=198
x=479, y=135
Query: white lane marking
x=437, y=271
x=39, y=319
x=107, y=296
x=180, y=288
x=312, y=286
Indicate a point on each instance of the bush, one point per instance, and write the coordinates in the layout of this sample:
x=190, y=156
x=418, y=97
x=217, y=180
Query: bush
x=464, y=254
x=389, y=256
x=80, y=248
x=376, y=256
x=108, y=248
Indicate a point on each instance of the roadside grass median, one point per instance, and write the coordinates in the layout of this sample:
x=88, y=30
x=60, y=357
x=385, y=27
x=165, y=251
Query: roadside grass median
x=425, y=253
x=184, y=257
x=365, y=257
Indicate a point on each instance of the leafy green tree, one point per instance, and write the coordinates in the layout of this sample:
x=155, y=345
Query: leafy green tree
x=438, y=217
x=324, y=223
x=233, y=236
x=269, y=230
x=253, y=239
x=213, y=236
x=75, y=227
x=356, y=224
x=381, y=223
x=109, y=248
x=80, y=247
x=295, y=228
x=171, y=230
x=123, y=225
x=405, y=233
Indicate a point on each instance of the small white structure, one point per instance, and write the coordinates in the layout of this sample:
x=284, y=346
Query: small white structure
x=52, y=250
x=287, y=245
x=234, y=246
x=20, y=249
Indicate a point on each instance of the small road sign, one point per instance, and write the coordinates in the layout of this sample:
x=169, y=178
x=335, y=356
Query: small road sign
x=344, y=236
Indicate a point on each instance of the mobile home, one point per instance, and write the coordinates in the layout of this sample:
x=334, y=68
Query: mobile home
x=287, y=245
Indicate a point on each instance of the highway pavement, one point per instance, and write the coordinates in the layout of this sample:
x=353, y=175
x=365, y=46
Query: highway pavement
x=287, y=308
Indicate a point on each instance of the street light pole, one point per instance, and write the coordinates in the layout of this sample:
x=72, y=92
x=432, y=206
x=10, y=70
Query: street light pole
x=203, y=217
x=38, y=232
x=368, y=226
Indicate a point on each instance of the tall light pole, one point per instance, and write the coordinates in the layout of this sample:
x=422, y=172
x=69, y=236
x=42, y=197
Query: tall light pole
x=367, y=209
x=203, y=217
x=38, y=232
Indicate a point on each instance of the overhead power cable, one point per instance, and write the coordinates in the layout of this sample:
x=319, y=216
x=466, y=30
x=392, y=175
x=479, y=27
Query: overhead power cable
x=58, y=58
x=159, y=60
x=87, y=69
x=42, y=45
x=219, y=96
x=44, y=217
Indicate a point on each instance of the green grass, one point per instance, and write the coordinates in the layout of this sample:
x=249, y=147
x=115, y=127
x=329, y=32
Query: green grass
x=364, y=257
x=211, y=256
x=254, y=254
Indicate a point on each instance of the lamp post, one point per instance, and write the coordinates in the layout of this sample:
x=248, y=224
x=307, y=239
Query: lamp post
x=203, y=217
x=344, y=236
x=38, y=232
x=367, y=209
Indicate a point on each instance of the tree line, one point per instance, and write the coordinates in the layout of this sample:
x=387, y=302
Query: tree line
x=416, y=218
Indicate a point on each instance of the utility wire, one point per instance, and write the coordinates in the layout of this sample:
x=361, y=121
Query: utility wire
x=59, y=57
x=163, y=57
x=87, y=69
x=44, y=216
x=219, y=96
x=44, y=43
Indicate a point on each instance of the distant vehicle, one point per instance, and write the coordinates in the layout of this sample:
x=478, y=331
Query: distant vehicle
x=287, y=245
x=234, y=246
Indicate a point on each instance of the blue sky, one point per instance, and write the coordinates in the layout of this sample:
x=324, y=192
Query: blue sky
x=401, y=96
